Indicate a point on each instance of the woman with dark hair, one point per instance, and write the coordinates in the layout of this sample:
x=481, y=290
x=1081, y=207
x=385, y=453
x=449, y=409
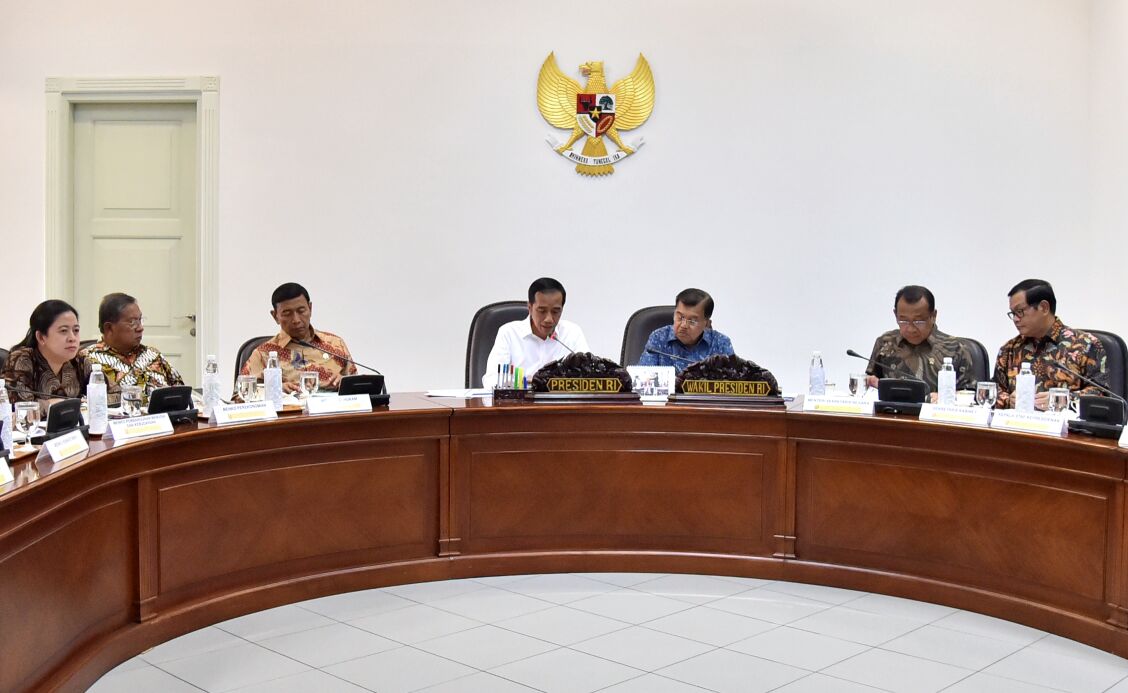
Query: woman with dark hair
x=46, y=361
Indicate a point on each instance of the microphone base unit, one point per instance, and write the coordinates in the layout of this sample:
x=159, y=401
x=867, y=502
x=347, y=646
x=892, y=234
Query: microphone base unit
x=44, y=437
x=1096, y=429
x=889, y=407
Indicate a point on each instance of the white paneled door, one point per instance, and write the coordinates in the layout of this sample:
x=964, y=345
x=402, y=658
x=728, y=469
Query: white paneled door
x=135, y=220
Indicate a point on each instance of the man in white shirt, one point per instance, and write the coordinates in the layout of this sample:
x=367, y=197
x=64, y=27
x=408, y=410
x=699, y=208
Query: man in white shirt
x=539, y=338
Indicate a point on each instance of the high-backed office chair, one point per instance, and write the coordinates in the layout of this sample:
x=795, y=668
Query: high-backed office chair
x=3, y=358
x=483, y=332
x=1117, y=362
x=85, y=343
x=980, y=359
x=244, y=353
x=638, y=329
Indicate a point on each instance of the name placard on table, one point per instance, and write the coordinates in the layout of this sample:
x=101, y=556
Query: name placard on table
x=68, y=445
x=965, y=416
x=247, y=412
x=339, y=404
x=1040, y=422
x=5, y=471
x=838, y=405
x=140, y=427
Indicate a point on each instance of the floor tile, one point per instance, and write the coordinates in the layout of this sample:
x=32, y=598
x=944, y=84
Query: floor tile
x=482, y=682
x=893, y=671
x=710, y=626
x=272, y=622
x=749, y=583
x=352, y=605
x=1077, y=650
x=1121, y=687
x=485, y=647
x=622, y=579
x=128, y=665
x=724, y=671
x=630, y=606
x=415, y=624
x=952, y=647
x=560, y=588
x=653, y=683
x=233, y=667
x=799, y=648
x=642, y=648
x=499, y=580
x=696, y=589
x=566, y=671
x=196, y=642
x=769, y=605
x=427, y=592
x=989, y=627
x=320, y=647
x=490, y=604
x=905, y=608
x=819, y=593
x=562, y=625
x=305, y=682
x=821, y=683
x=986, y=683
x=857, y=626
x=399, y=671
x=1054, y=670
x=147, y=678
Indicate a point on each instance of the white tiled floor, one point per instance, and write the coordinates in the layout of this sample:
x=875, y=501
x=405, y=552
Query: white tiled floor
x=619, y=633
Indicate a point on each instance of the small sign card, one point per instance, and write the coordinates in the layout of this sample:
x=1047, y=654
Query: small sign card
x=1043, y=423
x=5, y=471
x=652, y=383
x=339, y=404
x=1124, y=438
x=140, y=427
x=838, y=405
x=967, y=416
x=225, y=414
x=67, y=445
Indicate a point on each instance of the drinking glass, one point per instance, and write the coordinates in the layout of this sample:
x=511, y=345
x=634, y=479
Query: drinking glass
x=308, y=383
x=245, y=386
x=858, y=385
x=131, y=400
x=27, y=417
x=986, y=392
x=1058, y=400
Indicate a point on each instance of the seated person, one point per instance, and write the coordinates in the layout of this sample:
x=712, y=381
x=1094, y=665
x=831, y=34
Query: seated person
x=541, y=337
x=45, y=365
x=124, y=360
x=690, y=339
x=323, y=352
x=1051, y=348
x=917, y=348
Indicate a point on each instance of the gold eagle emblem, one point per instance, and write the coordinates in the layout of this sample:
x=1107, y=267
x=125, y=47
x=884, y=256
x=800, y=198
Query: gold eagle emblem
x=595, y=111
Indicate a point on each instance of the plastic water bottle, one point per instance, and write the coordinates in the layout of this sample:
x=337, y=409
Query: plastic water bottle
x=96, y=402
x=946, y=383
x=211, y=385
x=272, y=380
x=1024, y=389
x=5, y=418
x=818, y=375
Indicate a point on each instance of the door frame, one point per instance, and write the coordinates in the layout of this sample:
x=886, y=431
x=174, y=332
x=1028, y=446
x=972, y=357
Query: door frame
x=63, y=93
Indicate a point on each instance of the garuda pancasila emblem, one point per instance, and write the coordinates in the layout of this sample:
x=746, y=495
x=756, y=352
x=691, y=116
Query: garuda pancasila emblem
x=595, y=111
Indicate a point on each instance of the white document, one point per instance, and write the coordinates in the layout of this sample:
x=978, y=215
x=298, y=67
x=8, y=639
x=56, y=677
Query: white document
x=67, y=445
x=339, y=404
x=460, y=394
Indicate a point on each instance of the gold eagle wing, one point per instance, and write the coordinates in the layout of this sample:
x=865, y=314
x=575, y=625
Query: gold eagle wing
x=556, y=95
x=634, y=96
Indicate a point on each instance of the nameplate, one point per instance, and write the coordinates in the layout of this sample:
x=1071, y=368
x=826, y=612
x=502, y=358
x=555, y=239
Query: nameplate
x=965, y=416
x=5, y=471
x=729, y=388
x=122, y=430
x=1042, y=423
x=226, y=414
x=837, y=405
x=585, y=385
x=1124, y=438
x=339, y=404
x=67, y=445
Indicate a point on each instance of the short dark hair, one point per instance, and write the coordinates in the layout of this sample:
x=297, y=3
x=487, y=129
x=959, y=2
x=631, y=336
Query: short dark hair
x=286, y=292
x=44, y=315
x=692, y=297
x=912, y=294
x=547, y=285
x=111, y=308
x=1037, y=290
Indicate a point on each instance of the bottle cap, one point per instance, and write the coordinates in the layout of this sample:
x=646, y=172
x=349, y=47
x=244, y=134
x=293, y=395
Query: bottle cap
x=274, y=353
x=211, y=357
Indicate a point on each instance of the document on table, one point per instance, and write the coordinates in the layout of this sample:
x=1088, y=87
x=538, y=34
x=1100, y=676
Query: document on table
x=460, y=394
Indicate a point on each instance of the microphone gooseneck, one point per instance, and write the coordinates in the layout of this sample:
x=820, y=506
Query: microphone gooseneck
x=894, y=369
x=1090, y=381
x=337, y=356
x=561, y=343
x=672, y=356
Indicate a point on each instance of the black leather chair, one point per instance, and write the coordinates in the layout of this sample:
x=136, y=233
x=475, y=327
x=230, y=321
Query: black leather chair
x=980, y=359
x=85, y=343
x=638, y=329
x=483, y=332
x=3, y=358
x=1117, y=362
x=244, y=353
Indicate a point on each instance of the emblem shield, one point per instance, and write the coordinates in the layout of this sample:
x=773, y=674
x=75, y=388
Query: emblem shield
x=595, y=113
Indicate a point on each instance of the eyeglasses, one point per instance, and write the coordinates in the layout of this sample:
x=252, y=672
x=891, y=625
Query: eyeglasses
x=133, y=323
x=692, y=322
x=1017, y=313
x=919, y=324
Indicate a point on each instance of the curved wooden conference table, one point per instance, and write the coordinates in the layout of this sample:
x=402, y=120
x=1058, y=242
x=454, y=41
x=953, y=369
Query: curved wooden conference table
x=144, y=541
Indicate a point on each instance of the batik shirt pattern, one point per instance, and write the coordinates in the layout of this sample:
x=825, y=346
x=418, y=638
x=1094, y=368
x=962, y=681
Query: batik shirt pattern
x=1062, y=346
x=28, y=371
x=295, y=358
x=665, y=340
x=144, y=367
x=895, y=357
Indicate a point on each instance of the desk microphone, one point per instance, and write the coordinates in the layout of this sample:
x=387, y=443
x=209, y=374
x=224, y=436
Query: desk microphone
x=884, y=368
x=557, y=340
x=670, y=356
x=1090, y=381
x=336, y=356
x=25, y=391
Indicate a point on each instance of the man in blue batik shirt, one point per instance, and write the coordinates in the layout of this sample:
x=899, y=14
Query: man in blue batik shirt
x=690, y=339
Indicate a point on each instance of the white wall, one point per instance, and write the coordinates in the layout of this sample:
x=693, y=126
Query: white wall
x=805, y=159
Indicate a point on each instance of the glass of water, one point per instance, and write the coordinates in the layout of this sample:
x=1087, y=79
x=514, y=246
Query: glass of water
x=245, y=387
x=308, y=383
x=858, y=385
x=986, y=392
x=1058, y=400
x=27, y=417
x=131, y=400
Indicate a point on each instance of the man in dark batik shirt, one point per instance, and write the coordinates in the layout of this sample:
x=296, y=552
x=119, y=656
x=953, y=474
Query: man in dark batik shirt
x=917, y=348
x=1051, y=348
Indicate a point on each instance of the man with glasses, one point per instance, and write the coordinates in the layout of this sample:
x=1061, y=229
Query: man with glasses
x=690, y=339
x=1051, y=348
x=124, y=360
x=917, y=348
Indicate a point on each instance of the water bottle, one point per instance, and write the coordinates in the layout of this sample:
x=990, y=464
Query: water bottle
x=946, y=383
x=1024, y=389
x=272, y=380
x=5, y=418
x=211, y=385
x=96, y=402
x=818, y=375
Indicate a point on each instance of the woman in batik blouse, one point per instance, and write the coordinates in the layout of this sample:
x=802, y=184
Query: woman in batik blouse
x=44, y=366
